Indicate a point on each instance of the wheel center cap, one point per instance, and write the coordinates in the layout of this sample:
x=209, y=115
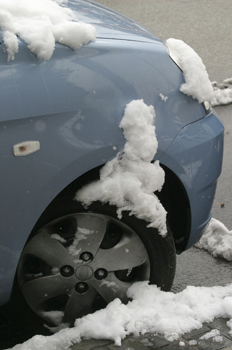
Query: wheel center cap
x=84, y=272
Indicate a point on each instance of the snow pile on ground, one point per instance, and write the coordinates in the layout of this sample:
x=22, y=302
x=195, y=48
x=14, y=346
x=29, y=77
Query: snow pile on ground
x=130, y=179
x=151, y=310
x=222, y=92
x=197, y=83
x=217, y=239
x=215, y=334
x=41, y=23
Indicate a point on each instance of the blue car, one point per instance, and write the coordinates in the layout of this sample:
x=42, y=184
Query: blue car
x=59, y=125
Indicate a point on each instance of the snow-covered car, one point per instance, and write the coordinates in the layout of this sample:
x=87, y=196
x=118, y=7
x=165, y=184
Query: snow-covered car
x=59, y=126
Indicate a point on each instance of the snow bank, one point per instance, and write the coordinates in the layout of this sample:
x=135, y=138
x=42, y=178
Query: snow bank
x=130, y=179
x=151, y=310
x=222, y=92
x=197, y=83
x=217, y=239
x=41, y=23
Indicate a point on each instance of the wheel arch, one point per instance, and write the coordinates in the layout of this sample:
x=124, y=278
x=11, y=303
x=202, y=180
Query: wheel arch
x=68, y=192
x=173, y=197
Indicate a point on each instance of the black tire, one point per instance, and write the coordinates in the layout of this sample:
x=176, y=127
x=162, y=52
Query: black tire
x=45, y=282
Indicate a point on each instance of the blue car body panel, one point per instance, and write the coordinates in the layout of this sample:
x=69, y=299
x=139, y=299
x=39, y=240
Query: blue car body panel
x=73, y=104
x=195, y=156
x=110, y=24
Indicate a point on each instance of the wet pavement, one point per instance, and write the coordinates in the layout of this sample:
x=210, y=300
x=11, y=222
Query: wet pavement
x=148, y=341
x=194, y=267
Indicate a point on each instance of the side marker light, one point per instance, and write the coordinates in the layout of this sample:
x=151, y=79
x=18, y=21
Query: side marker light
x=25, y=148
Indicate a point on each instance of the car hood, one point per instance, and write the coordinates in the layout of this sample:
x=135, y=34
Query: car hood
x=108, y=23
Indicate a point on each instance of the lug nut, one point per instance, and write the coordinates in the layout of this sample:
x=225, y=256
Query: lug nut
x=86, y=256
x=67, y=271
x=100, y=274
x=81, y=287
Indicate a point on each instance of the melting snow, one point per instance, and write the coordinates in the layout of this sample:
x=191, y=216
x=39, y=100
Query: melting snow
x=55, y=270
x=58, y=238
x=54, y=316
x=193, y=342
x=163, y=98
x=81, y=235
x=222, y=92
x=151, y=310
x=133, y=177
x=197, y=83
x=41, y=23
x=130, y=179
x=214, y=334
x=112, y=285
x=217, y=240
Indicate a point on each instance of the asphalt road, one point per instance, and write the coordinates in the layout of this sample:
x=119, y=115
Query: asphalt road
x=206, y=26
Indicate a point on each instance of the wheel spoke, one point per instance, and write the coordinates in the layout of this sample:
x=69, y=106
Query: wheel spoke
x=111, y=288
x=83, y=283
x=91, y=231
x=48, y=249
x=79, y=305
x=37, y=291
x=128, y=253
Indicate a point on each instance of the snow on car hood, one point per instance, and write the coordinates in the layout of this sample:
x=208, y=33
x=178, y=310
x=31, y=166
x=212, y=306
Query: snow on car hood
x=108, y=23
x=42, y=23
